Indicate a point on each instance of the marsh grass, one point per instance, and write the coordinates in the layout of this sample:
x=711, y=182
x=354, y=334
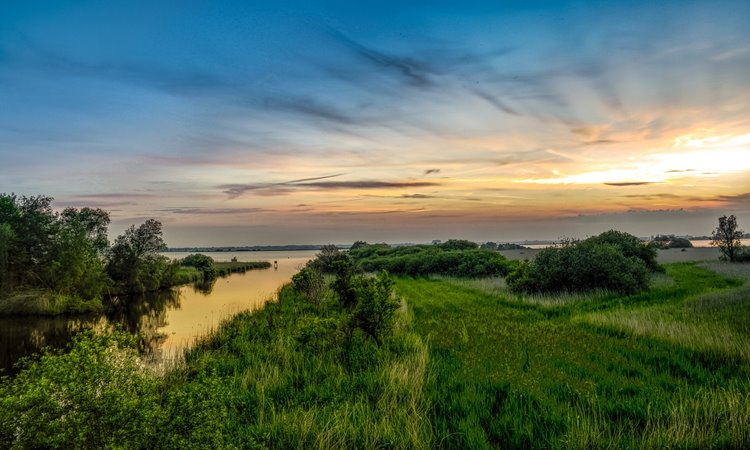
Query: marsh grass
x=715, y=322
x=47, y=303
x=508, y=374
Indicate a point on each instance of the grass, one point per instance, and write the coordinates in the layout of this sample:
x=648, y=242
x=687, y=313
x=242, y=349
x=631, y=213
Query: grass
x=469, y=365
x=511, y=371
x=47, y=303
x=278, y=377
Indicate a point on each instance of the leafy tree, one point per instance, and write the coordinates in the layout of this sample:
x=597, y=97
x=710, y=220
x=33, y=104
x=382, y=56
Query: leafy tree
x=358, y=244
x=7, y=238
x=325, y=258
x=489, y=246
x=93, y=221
x=727, y=237
x=376, y=306
x=344, y=269
x=77, y=267
x=134, y=262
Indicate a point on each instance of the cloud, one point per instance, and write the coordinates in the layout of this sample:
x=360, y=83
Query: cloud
x=308, y=107
x=417, y=196
x=631, y=183
x=412, y=71
x=496, y=102
x=212, y=211
x=315, y=183
x=430, y=171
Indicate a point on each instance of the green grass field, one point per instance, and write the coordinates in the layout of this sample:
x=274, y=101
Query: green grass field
x=657, y=369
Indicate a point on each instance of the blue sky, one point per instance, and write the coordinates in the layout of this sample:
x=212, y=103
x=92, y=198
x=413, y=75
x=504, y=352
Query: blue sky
x=243, y=122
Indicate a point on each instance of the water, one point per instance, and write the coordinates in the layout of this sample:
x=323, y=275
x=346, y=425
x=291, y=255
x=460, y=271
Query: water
x=169, y=321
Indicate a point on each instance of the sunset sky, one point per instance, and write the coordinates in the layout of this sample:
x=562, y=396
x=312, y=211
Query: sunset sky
x=240, y=123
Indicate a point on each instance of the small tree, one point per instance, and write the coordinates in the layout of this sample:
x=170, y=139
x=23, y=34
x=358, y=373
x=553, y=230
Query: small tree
x=375, y=312
x=134, y=262
x=727, y=237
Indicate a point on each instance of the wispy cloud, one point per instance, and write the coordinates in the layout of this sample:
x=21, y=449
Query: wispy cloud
x=412, y=71
x=630, y=183
x=213, y=211
x=315, y=183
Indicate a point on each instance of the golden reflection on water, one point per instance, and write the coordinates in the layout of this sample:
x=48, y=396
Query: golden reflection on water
x=199, y=313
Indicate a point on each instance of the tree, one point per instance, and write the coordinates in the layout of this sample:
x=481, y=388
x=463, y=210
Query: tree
x=727, y=237
x=375, y=311
x=134, y=262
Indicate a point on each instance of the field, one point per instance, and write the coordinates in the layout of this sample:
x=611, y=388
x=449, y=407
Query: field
x=668, y=368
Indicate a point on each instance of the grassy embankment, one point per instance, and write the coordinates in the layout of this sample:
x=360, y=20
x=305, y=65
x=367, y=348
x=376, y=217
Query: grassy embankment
x=666, y=368
x=470, y=366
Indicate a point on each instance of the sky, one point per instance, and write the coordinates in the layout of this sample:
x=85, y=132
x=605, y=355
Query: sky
x=242, y=123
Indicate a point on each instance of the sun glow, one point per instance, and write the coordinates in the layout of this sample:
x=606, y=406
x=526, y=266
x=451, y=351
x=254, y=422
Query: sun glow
x=690, y=157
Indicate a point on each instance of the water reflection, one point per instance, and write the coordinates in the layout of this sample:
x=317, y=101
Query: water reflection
x=168, y=322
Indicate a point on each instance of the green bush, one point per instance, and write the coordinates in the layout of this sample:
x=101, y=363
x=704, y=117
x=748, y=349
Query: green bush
x=421, y=260
x=583, y=266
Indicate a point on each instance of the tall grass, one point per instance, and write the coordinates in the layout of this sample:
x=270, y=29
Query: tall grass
x=47, y=303
x=507, y=374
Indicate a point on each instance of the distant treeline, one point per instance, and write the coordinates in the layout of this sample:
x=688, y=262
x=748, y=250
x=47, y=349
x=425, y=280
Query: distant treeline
x=251, y=248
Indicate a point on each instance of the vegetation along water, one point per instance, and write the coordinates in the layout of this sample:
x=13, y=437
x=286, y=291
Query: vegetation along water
x=442, y=346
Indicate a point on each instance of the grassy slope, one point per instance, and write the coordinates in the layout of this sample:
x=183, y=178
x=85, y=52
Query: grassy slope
x=510, y=372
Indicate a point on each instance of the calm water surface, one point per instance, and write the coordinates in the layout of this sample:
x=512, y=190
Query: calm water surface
x=169, y=321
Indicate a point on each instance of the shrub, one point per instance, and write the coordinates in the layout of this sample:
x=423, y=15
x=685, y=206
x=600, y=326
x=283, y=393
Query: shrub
x=310, y=283
x=584, y=266
x=629, y=245
x=376, y=306
x=421, y=260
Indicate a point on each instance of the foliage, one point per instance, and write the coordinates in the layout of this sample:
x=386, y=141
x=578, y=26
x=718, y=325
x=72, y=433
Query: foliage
x=40, y=249
x=421, y=260
x=205, y=264
x=324, y=260
x=629, y=245
x=728, y=238
x=310, y=283
x=611, y=261
x=343, y=284
x=489, y=246
x=134, y=262
x=458, y=244
x=376, y=306
x=96, y=396
x=670, y=241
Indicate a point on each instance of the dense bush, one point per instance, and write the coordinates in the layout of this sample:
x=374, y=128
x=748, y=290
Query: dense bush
x=629, y=245
x=670, y=241
x=596, y=263
x=420, y=260
x=205, y=264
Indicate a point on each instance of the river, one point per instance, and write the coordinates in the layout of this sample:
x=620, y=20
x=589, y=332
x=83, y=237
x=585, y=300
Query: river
x=169, y=321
